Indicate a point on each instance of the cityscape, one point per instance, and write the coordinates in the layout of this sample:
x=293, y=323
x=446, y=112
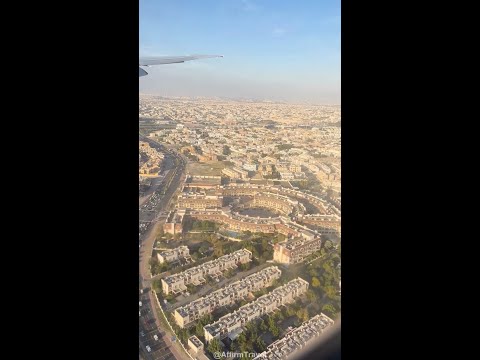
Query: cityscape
x=239, y=226
x=239, y=179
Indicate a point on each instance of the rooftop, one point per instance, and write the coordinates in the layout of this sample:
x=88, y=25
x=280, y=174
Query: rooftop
x=208, y=265
x=245, y=311
x=297, y=338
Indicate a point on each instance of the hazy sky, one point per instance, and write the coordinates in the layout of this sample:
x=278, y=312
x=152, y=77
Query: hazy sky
x=273, y=49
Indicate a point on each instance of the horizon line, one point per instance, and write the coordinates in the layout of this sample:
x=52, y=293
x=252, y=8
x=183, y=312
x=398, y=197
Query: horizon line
x=240, y=99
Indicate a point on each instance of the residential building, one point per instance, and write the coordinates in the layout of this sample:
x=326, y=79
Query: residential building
x=174, y=222
x=296, y=339
x=265, y=304
x=295, y=250
x=195, y=344
x=196, y=276
x=228, y=295
x=173, y=254
x=196, y=201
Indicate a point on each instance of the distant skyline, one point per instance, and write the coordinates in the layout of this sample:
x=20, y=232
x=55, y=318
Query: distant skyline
x=273, y=50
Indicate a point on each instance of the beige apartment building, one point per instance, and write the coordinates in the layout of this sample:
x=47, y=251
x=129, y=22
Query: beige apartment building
x=174, y=222
x=195, y=201
x=235, y=173
x=273, y=201
x=295, y=250
x=195, y=344
x=177, y=283
x=202, y=182
x=173, y=255
x=228, y=295
x=265, y=304
x=297, y=338
x=294, y=168
x=329, y=224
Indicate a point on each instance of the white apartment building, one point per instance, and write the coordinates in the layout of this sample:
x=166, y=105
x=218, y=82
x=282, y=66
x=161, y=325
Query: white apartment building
x=297, y=338
x=173, y=254
x=265, y=304
x=195, y=344
x=177, y=283
x=226, y=296
x=295, y=250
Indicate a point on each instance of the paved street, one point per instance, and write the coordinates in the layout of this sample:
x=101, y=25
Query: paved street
x=148, y=329
x=154, y=186
x=149, y=324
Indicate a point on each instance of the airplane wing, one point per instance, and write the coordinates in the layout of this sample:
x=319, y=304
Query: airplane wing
x=161, y=60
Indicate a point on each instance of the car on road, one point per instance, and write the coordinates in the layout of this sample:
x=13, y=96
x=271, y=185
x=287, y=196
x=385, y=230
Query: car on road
x=155, y=337
x=140, y=303
x=142, y=333
x=148, y=348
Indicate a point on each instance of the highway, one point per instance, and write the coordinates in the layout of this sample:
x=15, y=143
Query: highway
x=152, y=212
x=148, y=329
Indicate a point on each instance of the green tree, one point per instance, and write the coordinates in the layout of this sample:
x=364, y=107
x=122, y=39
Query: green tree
x=302, y=314
x=270, y=322
x=275, y=331
x=328, y=266
x=263, y=326
x=329, y=310
x=199, y=329
x=312, y=271
x=327, y=278
x=245, y=266
x=242, y=341
x=265, y=245
x=157, y=285
x=251, y=330
x=331, y=292
x=260, y=344
x=218, y=250
x=277, y=316
x=315, y=282
x=311, y=296
x=214, y=346
x=183, y=335
x=336, y=258
x=272, y=326
x=153, y=261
